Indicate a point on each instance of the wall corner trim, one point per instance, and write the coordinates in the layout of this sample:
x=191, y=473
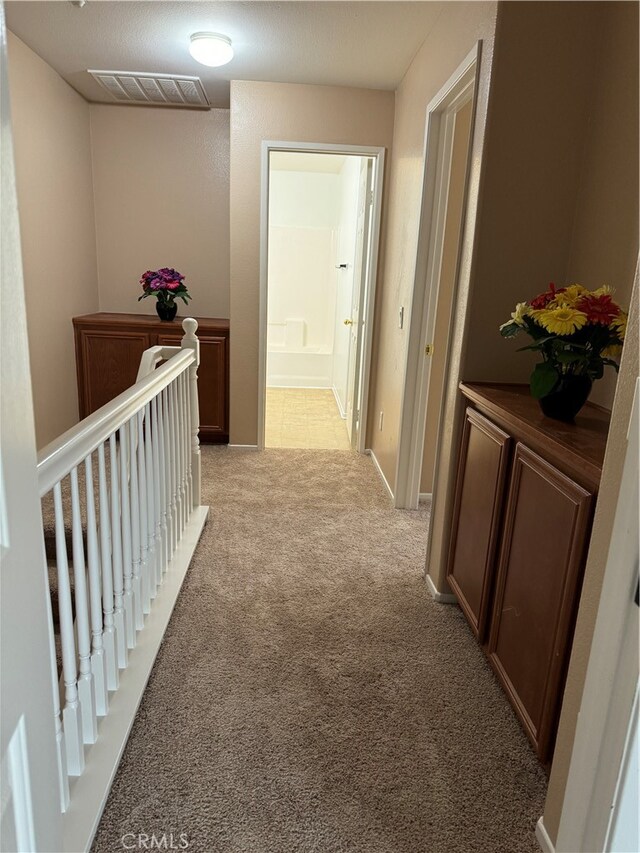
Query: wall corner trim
x=424, y=497
x=543, y=837
x=440, y=597
x=376, y=465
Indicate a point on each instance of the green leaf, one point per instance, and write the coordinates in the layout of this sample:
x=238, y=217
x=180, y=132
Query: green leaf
x=543, y=379
x=510, y=330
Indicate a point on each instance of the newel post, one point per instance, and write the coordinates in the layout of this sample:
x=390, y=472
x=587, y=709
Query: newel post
x=190, y=341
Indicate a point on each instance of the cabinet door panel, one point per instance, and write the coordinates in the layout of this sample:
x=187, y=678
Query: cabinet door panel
x=110, y=362
x=212, y=384
x=544, y=538
x=476, y=517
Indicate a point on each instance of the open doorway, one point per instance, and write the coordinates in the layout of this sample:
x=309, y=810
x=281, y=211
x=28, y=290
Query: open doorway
x=320, y=235
x=449, y=129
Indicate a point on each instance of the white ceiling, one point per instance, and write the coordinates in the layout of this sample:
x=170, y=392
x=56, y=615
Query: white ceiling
x=297, y=161
x=368, y=44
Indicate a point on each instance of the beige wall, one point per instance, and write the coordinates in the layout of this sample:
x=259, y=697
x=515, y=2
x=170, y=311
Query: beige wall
x=455, y=203
x=161, y=181
x=285, y=112
x=458, y=29
x=604, y=244
x=55, y=201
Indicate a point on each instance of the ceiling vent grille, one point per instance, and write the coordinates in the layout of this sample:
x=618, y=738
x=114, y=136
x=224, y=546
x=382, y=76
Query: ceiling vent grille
x=163, y=90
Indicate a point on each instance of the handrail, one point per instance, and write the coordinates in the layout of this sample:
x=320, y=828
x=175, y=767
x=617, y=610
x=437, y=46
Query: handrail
x=152, y=357
x=68, y=450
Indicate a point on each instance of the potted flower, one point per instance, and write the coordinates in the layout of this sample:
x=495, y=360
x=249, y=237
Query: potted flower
x=166, y=285
x=578, y=332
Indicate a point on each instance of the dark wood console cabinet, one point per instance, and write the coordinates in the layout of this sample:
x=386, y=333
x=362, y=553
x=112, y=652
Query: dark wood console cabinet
x=525, y=494
x=108, y=351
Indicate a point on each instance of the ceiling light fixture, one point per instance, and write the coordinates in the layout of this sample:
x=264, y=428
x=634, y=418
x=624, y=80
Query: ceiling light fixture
x=211, y=49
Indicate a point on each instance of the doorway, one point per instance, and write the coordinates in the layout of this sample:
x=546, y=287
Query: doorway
x=320, y=228
x=449, y=129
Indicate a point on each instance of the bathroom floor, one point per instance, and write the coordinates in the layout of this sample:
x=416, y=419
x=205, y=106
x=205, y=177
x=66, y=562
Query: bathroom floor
x=304, y=417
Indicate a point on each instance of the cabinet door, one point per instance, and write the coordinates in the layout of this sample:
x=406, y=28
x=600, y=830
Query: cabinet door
x=543, y=549
x=212, y=385
x=108, y=362
x=476, y=517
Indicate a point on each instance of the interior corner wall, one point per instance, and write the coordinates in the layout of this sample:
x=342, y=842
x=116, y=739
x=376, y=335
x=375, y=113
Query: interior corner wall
x=458, y=29
x=161, y=179
x=55, y=204
x=286, y=112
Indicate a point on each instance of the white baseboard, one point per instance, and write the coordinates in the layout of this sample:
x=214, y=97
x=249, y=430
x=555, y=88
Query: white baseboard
x=424, y=497
x=343, y=414
x=543, y=838
x=244, y=446
x=376, y=465
x=89, y=792
x=440, y=597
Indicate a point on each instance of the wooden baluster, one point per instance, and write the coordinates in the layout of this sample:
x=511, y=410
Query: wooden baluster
x=187, y=391
x=157, y=492
x=116, y=559
x=71, y=717
x=86, y=693
x=186, y=439
x=144, y=529
x=136, y=548
x=175, y=452
x=181, y=432
x=163, y=483
x=109, y=631
x=61, y=750
x=98, y=656
x=168, y=484
x=151, y=508
x=174, y=463
x=127, y=554
x=190, y=340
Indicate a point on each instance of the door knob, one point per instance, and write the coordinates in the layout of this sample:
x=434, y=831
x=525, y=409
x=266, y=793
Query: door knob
x=348, y=322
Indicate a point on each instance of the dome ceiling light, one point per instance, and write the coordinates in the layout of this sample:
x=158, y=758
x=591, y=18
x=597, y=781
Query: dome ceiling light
x=211, y=49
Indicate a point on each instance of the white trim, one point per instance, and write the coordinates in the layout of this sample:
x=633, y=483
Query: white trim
x=90, y=791
x=244, y=446
x=378, y=156
x=440, y=597
x=543, y=838
x=341, y=411
x=423, y=497
x=376, y=465
x=438, y=139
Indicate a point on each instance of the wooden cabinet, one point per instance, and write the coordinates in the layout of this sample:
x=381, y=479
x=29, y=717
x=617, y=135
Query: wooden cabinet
x=524, y=501
x=108, y=351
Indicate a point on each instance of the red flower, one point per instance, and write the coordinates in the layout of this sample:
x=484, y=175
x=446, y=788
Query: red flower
x=545, y=298
x=599, y=309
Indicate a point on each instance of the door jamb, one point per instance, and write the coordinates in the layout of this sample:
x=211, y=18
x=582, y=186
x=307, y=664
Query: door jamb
x=377, y=154
x=457, y=91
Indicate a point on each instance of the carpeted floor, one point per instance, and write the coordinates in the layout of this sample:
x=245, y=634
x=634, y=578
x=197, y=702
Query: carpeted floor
x=309, y=695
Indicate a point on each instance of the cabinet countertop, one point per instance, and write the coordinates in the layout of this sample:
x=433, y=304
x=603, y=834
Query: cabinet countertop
x=146, y=320
x=582, y=444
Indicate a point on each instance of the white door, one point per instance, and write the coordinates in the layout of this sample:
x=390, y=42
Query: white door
x=30, y=811
x=360, y=274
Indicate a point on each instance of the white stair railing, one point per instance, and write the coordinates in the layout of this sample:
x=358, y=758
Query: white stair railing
x=125, y=484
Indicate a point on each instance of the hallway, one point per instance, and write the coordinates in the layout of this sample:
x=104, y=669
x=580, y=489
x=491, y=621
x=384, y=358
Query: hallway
x=309, y=694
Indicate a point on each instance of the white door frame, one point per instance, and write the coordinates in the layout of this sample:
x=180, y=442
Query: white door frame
x=377, y=154
x=439, y=128
x=609, y=698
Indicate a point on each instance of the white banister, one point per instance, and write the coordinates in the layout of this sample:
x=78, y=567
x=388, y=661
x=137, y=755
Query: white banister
x=136, y=545
x=144, y=527
x=190, y=341
x=151, y=504
x=98, y=657
x=116, y=555
x=127, y=553
x=109, y=632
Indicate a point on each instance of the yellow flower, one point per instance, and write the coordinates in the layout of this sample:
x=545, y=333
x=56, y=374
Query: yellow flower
x=619, y=325
x=570, y=295
x=561, y=321
x=605, y=290
x=522, y=310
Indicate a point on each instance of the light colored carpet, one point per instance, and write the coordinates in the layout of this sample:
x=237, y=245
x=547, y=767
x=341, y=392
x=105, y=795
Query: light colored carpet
x=309, y=694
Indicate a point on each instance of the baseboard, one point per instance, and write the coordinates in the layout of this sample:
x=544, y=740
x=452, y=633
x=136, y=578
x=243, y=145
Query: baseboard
x=424, y=497
x=343, y=414
x=543, y=838
x=89, y=792
x=244, y=446
x=376, y=465
x=440, y=597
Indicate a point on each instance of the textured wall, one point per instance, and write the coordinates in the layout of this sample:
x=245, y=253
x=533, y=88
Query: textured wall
x=161, y=181
x=55, y=201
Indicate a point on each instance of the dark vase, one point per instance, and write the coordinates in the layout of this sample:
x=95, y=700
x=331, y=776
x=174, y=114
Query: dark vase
x=166, y=310
x=567, y=398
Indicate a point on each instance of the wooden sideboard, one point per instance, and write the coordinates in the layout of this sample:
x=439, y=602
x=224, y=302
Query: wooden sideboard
x=524, y=500
x=108, y=352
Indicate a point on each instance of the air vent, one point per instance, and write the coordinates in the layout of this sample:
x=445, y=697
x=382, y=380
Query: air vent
x=163, y=90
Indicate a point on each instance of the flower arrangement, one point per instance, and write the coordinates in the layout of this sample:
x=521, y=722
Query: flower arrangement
x=165, y=284
x=578, y=332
